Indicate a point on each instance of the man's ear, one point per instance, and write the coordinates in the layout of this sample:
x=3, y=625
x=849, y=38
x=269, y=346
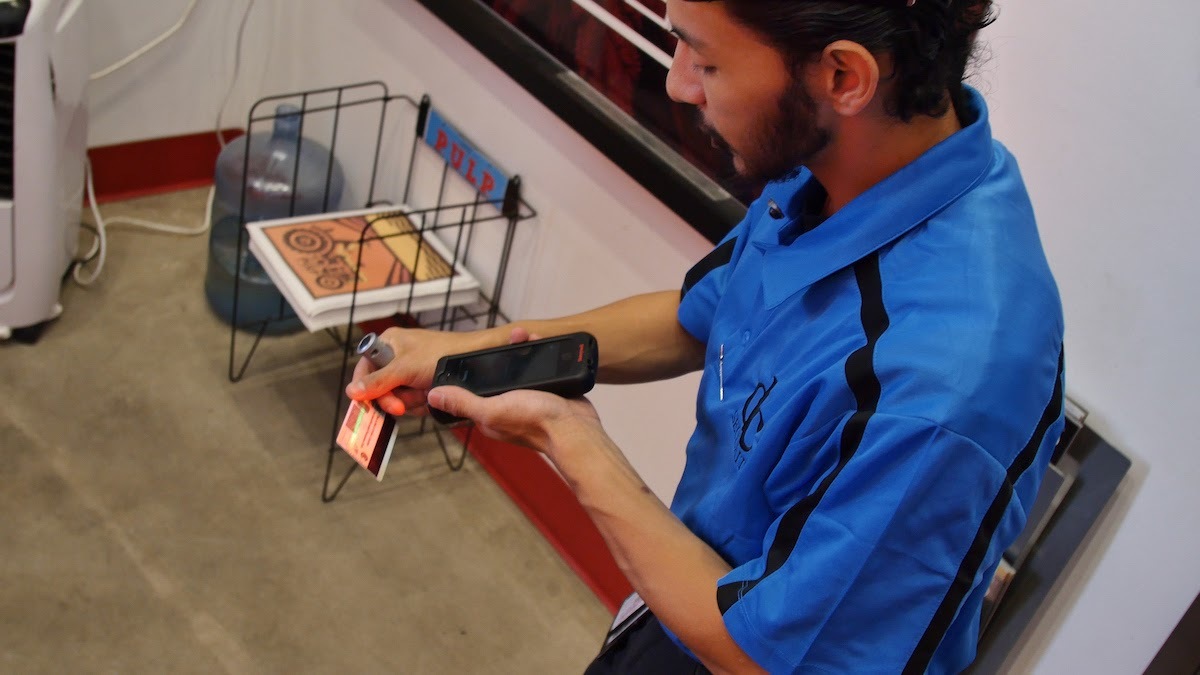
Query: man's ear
x=849, y=77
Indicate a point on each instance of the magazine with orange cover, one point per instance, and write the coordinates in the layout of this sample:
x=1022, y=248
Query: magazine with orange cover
x=324, y=253
x=314, y=261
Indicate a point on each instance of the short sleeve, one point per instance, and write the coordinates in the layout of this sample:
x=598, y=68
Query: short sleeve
x=706, y=282
x=898, y=537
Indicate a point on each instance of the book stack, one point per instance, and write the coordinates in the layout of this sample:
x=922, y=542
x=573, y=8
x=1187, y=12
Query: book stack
x=318, y=265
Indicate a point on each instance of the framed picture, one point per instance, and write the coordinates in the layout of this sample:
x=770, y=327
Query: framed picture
x=601, y=65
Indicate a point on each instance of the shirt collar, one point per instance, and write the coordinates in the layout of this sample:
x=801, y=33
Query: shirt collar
x=875, y=218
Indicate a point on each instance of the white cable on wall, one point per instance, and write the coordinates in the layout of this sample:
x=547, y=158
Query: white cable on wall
x=150, y=45
x=99, y=248
x=237, y=64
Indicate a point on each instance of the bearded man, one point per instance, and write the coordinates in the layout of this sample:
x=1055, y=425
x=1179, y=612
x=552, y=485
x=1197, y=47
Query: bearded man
x=881, y=347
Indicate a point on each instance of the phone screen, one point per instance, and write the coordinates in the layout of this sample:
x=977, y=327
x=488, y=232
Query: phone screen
x=500, y=369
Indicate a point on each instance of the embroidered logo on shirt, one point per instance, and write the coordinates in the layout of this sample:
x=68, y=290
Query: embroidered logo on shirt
x=752, y=418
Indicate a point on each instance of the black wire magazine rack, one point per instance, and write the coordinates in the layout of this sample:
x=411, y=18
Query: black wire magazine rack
x=448, y=190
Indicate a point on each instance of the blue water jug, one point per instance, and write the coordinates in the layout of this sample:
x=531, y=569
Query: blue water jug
x=275, y=187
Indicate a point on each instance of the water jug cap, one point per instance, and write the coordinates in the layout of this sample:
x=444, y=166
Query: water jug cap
x=287, y=121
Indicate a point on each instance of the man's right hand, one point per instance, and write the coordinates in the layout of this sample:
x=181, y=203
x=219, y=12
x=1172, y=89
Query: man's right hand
x=640, y=341
x=402, y=385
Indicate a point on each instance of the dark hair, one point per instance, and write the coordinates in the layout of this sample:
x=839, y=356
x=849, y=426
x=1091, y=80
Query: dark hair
x=929, y=42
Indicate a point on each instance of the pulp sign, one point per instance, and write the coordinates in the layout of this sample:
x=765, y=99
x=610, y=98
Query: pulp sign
x=460, y=154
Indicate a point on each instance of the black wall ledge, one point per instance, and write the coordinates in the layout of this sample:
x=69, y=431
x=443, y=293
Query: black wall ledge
x=683, y=188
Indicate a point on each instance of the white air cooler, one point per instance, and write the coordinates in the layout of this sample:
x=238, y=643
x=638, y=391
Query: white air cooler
x=43, y=141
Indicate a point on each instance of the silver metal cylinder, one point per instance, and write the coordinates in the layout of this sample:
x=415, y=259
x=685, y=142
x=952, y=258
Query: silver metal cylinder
x=376, y=350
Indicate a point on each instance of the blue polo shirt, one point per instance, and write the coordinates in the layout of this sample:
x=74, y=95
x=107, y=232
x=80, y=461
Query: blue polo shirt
x=880, y=399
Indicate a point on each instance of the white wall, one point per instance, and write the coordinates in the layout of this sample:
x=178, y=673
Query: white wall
x=1098, y=101
x=177, y=87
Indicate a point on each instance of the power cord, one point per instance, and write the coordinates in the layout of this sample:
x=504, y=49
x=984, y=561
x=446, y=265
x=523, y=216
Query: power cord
x=147, y=47
x=99, y=248
x=237, y=65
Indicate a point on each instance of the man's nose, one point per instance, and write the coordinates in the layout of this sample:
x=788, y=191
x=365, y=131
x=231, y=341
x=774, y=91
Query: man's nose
x=683, y=84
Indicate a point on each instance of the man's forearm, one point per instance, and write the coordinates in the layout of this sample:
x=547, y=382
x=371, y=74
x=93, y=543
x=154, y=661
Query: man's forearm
x=640, y=338
x=674, y=571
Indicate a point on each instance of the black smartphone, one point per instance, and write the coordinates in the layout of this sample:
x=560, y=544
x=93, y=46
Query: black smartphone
x=563, y=365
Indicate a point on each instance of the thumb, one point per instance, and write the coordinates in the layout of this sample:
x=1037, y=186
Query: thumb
x=455, y=401
x=518, y=334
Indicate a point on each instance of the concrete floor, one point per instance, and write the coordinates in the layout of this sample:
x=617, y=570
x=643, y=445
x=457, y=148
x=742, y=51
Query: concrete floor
x=155, y=518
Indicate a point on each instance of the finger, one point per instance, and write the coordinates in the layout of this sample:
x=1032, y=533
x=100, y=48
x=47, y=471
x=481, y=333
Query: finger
x=361, y=368
x=518, y=335
x=391, y=404
x=373, y=384
x=411, y=399
x=456, y=401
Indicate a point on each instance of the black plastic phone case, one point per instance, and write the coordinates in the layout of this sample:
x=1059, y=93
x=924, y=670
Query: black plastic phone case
x=575, y=376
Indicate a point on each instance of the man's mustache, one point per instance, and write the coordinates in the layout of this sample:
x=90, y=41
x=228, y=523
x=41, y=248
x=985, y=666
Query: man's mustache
x=718, y=142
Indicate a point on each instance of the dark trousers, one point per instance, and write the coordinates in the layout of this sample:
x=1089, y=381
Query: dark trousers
x=645, y=649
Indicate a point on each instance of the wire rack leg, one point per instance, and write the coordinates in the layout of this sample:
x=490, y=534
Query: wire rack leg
x=237, y=376
x=326, y=495
x=454, y=465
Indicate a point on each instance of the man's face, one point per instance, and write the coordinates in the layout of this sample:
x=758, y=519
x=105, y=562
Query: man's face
x=745, y=92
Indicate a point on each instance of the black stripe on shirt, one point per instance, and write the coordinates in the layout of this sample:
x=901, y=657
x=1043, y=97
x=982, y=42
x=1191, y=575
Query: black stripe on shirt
x=863, y=382
x=973, y=560
x=719, y=256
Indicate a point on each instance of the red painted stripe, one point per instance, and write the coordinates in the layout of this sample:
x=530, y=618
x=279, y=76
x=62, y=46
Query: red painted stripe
x=550, y=505
x=154, y=166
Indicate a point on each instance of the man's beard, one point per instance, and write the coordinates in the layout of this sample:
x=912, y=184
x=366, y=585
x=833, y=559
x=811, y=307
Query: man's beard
x=781, y=142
